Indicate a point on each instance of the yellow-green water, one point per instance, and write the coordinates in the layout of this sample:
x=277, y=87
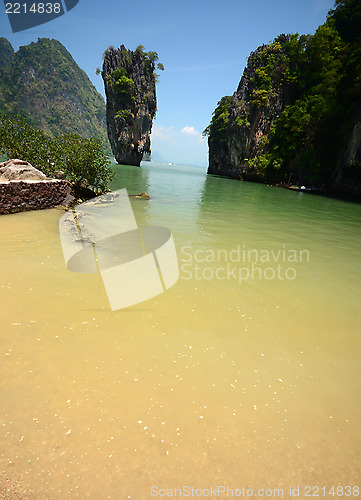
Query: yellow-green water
x=215, y=382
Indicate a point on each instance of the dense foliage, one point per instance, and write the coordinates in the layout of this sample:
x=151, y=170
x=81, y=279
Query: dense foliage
x=43, y=83
x=220, y=118
x=151, y=59
x=124, y=88
x=83, y=161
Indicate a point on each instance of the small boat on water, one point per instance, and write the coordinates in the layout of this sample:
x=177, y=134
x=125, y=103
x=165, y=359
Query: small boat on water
x=293, y=187
x=302, y=188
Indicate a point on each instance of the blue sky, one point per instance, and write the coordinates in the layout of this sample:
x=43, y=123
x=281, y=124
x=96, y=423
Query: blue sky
x=203, y=45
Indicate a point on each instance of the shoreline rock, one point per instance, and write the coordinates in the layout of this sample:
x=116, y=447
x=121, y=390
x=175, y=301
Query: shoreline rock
x=16, y=169
x=24, y=188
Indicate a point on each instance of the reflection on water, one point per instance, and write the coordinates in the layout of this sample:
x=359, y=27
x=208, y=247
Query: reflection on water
x=215, y=382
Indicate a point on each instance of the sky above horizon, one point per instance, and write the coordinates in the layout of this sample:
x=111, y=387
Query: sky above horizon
x=204, y=47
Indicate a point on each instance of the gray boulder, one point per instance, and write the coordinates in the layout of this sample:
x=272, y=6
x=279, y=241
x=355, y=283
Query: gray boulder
x=13, y=170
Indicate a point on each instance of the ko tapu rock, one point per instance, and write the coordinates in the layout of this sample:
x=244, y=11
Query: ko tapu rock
x=129, y=81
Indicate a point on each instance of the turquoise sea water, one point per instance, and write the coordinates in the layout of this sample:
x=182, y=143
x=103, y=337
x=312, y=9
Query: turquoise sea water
x=245, y=373
x=215, y=213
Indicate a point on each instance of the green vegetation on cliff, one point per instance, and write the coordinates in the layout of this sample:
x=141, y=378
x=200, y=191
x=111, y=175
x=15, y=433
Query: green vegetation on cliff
x=43, y=83
x=296, y=107
x=220, y=118
x=123, y=86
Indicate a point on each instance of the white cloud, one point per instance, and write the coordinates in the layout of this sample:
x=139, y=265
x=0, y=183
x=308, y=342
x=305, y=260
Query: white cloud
x=184, y=145
x=170, y=134
x=162, y=133
x=192, y=132
x=189, y=131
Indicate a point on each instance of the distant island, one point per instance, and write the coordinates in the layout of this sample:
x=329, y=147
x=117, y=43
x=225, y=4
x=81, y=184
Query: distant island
x=296, y=115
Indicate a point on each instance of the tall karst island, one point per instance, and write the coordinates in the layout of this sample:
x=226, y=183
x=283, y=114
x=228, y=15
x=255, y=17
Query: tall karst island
x=129, y=80
x=296, y=115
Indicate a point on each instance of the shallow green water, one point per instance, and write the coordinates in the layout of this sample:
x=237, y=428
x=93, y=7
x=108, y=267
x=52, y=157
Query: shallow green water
x=244, y=373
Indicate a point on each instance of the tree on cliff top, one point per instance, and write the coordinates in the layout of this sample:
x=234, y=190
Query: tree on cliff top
x=152, y=57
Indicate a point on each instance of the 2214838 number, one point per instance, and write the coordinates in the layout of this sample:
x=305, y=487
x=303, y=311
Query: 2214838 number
x=35, y=8
x=335, y=491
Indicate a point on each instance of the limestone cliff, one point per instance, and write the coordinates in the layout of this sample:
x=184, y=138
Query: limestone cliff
x=238, y=134
x=129, y=81
x=295, y=117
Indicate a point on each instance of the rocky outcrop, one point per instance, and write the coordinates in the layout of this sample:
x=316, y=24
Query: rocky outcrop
x=19, y=170
x=295, y=117
x=131, y=103
x=251, y=114
x=23, y=188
